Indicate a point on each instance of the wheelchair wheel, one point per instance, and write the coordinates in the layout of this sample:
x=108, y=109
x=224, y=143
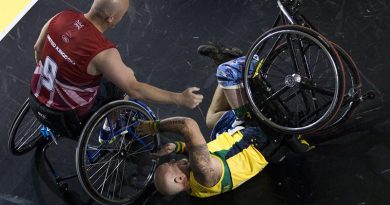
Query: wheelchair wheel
x=116, y=171
x=352, y=92
x=294, y=79
x=24, y=133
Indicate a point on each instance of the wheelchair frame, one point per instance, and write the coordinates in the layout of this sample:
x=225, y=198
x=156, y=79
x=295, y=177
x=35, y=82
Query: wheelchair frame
x=88, y=155
x=347, y=94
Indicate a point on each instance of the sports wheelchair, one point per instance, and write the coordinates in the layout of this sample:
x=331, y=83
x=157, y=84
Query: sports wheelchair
x=302, y=83
x=116, y=171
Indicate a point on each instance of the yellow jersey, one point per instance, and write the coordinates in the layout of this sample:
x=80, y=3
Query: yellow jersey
x=240, y=161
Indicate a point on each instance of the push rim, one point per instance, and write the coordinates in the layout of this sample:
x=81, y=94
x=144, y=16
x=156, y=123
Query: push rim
x=291, y=79
x=125, y=167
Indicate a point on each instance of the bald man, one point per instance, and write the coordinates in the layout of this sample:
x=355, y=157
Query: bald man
x=235, y=154
x=72, y=56
x=237, y=151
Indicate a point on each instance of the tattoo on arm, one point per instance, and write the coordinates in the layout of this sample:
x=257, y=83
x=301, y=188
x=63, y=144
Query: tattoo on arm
x=199, y=155
x=176, y=125
x=200, y=159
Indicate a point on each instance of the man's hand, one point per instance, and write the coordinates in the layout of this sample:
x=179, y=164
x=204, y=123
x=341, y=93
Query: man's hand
x=190, y=99
x=165, y=150
x=146, y=128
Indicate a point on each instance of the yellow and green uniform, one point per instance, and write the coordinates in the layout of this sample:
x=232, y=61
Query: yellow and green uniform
x=240, y=161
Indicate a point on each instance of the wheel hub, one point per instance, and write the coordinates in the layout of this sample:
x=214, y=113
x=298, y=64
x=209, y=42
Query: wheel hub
x=122, y=153
x=292, y=80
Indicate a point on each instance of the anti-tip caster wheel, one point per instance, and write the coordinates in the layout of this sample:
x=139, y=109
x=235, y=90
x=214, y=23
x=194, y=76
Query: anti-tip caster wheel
x=64, y=187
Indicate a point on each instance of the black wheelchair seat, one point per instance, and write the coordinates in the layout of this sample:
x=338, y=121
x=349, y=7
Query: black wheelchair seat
x=64, y=123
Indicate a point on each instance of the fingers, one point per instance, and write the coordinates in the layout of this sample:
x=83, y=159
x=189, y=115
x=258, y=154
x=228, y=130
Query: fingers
x=140, y=127
x=165, y=150
x=198, y=98
x=196, y=103
x=196, y=95
x=158, y=154
x=144, y=128
x=190, y=98
x=193, y=99
x=193, y=89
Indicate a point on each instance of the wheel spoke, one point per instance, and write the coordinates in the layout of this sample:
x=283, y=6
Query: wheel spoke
x=323, y=91
x=290, y=45
x=123, y=167
x=139, y=152
x=89, y=166
x=279, y=69
x=274, y=95
x=108, y=161
x=30, y=135
x=318, y=110
x=122, y=181
x=102, y=185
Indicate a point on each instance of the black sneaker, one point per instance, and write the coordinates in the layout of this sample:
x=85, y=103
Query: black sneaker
x=275, y=151
x=219, y=53
x=298, y=144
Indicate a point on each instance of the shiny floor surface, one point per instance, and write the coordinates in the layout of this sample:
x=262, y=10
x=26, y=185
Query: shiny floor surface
x=158, y=39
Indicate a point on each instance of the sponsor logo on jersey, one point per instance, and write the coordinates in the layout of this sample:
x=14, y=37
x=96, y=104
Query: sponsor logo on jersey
x=65, y=38
x=78, y=24
x=60, y=51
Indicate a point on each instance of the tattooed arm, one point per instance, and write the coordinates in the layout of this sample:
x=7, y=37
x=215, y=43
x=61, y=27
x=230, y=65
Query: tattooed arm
x=207, y=170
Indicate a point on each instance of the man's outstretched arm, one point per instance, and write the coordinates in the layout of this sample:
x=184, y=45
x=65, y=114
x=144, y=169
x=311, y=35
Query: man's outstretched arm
x=110, y=64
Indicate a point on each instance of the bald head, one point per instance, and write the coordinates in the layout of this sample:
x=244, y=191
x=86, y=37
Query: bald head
x=164, y=181
x=109, y=12
x=172, y=178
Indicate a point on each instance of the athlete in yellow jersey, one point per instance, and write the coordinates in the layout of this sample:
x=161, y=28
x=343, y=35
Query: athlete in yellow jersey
x=232, y=157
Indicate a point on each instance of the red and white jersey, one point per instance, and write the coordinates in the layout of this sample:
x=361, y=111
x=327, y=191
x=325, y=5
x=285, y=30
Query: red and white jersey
x=60, y=80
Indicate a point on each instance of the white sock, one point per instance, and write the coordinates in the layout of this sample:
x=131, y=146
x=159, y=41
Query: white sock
x=237, y=123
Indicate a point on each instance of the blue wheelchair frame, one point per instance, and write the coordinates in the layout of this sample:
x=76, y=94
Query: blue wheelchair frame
x=51, y=136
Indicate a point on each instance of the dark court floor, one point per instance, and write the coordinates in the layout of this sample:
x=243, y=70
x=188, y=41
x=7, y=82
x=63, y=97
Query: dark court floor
x=158, y=39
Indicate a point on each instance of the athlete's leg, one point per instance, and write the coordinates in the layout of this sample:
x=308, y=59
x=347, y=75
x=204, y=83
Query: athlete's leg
x=236, y=97
x=229, y=76
x=108, y=92
x=219, y=106
x=220, y=54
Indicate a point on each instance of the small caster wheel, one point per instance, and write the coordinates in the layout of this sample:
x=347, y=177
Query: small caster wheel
x=64, y=187
x=370, y=95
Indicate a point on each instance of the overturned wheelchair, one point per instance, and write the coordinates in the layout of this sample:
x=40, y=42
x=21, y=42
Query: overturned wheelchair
x=301, y=84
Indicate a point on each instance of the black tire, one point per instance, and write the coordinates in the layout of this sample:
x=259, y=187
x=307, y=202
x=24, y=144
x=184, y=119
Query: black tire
x=133, y=165
x=24, y=134
x=294, y=102
x=352, y=93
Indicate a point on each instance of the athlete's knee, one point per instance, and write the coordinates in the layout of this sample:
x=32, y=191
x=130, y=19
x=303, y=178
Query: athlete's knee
x=210, y=120
x=228, y=76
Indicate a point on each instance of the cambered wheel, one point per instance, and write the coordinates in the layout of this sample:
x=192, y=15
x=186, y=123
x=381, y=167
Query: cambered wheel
x=294, y=79
x=352, y=93
x=24, y=134
x=118, y=171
